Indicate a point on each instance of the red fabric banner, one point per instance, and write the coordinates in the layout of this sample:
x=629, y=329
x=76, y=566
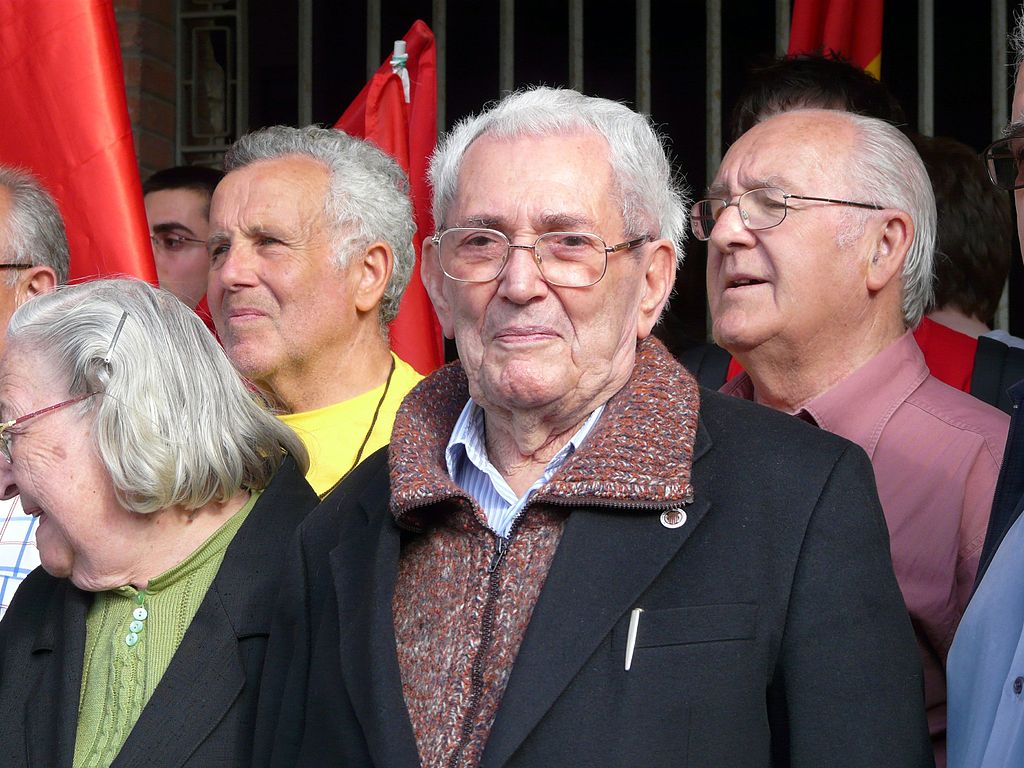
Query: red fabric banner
x=66, y=120
x=408, y=133
x=850, y=27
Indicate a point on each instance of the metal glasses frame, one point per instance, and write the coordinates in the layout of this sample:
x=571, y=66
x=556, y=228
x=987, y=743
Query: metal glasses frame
x=786, y=197
x=608, y=249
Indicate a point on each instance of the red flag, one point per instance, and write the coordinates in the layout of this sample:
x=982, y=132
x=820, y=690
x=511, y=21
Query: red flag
x=66, y=120
x=850, y=27
x=407, y=132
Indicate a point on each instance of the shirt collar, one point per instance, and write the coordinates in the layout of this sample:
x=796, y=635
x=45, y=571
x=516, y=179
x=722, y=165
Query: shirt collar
x=641, y=451
x=860, y=405
x=468, y=441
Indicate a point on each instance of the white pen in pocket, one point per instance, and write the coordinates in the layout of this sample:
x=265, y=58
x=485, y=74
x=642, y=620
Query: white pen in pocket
x=634, y=623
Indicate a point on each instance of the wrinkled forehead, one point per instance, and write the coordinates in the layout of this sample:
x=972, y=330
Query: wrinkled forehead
x=797, y=151
x=545, y=172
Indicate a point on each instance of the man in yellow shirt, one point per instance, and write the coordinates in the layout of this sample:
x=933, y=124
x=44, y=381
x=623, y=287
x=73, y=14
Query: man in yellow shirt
x=310, y=250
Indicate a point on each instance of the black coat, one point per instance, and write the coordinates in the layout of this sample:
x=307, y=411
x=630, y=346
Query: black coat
x=1008, y=501
x=773, y=630
x=201, y=714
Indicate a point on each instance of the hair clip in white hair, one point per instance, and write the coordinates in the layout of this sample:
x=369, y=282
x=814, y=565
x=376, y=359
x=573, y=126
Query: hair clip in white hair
x=117, y=333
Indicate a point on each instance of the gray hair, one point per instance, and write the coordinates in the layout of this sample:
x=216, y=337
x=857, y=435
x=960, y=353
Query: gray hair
x=885, y=169
x=175, y=425
x=34, y=227
x=652, y=201
x=1017, y=39
x=368, y=200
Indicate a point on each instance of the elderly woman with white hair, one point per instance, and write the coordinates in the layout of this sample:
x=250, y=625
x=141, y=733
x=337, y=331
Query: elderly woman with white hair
x=165, y=494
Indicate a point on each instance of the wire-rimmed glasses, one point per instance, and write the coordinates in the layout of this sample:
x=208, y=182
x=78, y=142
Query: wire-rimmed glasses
x=565, y=259
x=761, y=208
x=170, y=242
x=7, y=426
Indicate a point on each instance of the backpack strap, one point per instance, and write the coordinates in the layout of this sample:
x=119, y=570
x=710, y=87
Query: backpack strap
x=997, y=367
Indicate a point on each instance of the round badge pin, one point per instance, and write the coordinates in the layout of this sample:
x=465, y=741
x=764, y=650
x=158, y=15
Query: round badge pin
x=673, y=518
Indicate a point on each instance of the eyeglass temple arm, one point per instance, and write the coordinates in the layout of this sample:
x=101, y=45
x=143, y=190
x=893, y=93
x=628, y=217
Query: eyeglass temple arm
x=869, y=206
x=14, y=422
x=629, y=245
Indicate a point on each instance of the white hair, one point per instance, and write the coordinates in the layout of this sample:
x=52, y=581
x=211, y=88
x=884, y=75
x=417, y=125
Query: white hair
x=368, y=200
x=175, y=425
x=884, y=168
x=652, y=201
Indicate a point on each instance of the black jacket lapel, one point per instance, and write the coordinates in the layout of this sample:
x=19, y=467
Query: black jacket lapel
x=605, y=561
x=50, y=731
x=200, y=685
x=206, y=675
x=365, y=567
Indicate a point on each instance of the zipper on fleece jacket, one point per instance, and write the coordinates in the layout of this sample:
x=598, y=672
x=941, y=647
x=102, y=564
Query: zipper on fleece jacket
x=476, y=675
x=501, y=546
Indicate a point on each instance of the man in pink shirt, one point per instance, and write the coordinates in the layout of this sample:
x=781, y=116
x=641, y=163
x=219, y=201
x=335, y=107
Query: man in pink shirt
x=821, y=229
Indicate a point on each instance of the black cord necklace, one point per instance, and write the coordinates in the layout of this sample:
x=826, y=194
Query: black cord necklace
x=369, y=432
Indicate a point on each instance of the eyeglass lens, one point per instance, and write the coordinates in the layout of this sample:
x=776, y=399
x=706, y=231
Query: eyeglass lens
x=568, y=259
x=174, y=243
x=1005, y=159
x=759, y=208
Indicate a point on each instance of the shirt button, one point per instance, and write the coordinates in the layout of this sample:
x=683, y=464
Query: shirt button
x=131, y=639
x=140, y=614
x=136, y=626
x=1018, y=685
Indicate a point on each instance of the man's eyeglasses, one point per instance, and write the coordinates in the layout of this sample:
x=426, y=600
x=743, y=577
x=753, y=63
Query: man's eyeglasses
x=761, y=208
x=1003, y=159
x=165, y=241
x=7, y=426
x=16, y=266
x=565, y=259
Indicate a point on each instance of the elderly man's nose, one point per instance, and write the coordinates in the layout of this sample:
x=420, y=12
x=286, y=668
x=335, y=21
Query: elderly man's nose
x=521, y=280
x=731, y=228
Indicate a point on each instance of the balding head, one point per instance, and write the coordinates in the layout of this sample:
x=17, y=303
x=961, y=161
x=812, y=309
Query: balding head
x=33, y=245
x=834, y=255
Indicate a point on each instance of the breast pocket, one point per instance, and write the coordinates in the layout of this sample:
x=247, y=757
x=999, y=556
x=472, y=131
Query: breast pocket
x=689, y=625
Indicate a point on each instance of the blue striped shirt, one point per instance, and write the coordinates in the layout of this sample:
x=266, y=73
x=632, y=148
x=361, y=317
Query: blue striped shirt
x=472, y=471
x=18, y=553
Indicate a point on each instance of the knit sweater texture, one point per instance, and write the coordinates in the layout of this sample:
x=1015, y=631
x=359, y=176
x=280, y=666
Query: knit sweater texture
x=460, y=608
x=119, y=679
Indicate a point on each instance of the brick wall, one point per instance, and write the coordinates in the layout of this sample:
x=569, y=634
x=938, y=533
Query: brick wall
x=146, y=29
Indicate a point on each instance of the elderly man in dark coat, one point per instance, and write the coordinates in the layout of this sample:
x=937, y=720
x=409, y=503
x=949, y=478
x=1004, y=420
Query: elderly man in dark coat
x=570, y=554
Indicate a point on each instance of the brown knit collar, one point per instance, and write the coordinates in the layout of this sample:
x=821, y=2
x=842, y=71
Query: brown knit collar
x=639, y=454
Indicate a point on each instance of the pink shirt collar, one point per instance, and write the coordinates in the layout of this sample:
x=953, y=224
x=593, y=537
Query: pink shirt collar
x=859, y=406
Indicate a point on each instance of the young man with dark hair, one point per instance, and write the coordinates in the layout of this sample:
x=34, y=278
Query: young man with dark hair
x=178, y=210
x=827, y=81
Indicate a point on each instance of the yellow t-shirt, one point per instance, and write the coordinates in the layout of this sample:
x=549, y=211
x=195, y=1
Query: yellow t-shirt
x=332, y=435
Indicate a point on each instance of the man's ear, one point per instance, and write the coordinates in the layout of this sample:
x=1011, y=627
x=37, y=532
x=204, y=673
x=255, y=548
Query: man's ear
x=34, y=281
x=892, y=243
x=433, y=280
x=658, y=281
x=372, y=272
